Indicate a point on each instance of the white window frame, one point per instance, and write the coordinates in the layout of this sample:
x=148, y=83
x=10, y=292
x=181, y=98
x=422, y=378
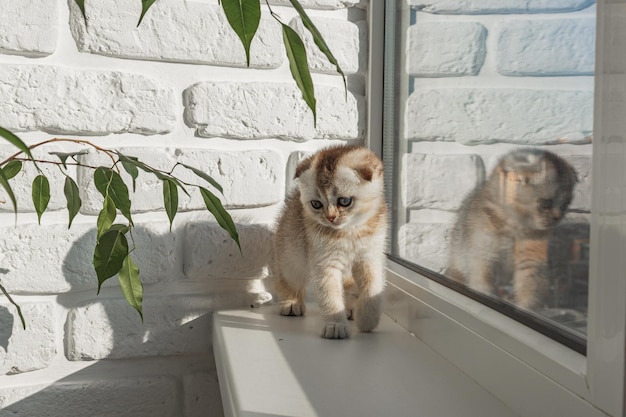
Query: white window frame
x=531, y=373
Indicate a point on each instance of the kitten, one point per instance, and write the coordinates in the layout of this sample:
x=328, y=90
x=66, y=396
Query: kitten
x=332, y=233
x=503, y=226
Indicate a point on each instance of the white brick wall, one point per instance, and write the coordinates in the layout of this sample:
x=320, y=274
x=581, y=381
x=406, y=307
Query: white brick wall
x=461, y=7
x=173, y=90
x=61, y=100
x=262, y=110
x=486, y=77
x=546, y=47
x=194, y=33
x=39, y=16
x=481, y=115
x=440, y=49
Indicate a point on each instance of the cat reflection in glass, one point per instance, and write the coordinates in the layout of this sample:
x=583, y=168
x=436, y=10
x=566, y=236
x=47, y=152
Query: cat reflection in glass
x=332, y=233
x=503, y=226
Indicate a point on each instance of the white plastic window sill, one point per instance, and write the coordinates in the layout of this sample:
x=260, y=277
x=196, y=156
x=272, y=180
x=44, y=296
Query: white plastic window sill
x=270, y=366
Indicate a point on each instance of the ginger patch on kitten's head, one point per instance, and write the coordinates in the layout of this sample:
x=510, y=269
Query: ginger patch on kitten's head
x=341, y=186
x=537, y=185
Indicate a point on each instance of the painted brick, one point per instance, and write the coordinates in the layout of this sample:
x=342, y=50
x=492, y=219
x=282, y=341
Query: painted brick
x=426, y=244
x=582, y=191
x=440, y=49
x=194, y=32
x=29, y=27
x=249, y=178
x=53, y=259
x=440, y=181
x=173, y=325
x=272, y=110
x=346, y=40
x=209, y=252
x=61, y=100
x=521, y=116
x=22, y=183
x=319, y=4
x=499, y=6
x=202, y=395
x=31, y=349
x=139, y=396
x=546, y=47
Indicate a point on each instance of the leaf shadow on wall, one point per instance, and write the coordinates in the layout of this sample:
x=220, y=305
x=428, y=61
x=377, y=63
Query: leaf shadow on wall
x=6, y=328
x=170, y=350
x=6, y=321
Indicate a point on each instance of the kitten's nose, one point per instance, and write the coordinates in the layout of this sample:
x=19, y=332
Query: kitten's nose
x=331, y=218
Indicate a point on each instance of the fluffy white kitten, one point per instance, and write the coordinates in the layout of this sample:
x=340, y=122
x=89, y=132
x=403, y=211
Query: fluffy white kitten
x=332, y=233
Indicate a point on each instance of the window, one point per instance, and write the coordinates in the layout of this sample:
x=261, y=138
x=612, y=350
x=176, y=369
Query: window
x=492, y=156
x=482, y=97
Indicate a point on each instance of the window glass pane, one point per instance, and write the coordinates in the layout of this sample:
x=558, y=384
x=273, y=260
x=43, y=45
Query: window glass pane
x=489, y=111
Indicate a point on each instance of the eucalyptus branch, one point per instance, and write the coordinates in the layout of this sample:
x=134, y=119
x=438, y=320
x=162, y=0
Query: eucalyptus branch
x=45, y=161
x=112, y=252
x=274, y=15
x=57, y=140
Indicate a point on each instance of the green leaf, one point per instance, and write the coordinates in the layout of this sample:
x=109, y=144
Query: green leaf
x=19, y=310
x=109, y=182
x=170, y=199
x=106, y=217
x=299, y=66
x=4, y=181
x=145, y=5
x=64, y=155
x=12, y=168
x=319, y=40
x=73, y=199
x=109, y=254
x=130, y=284
x=205, y=177
x=131, y=160
x=214, y=205
x=81, y=6
x=132, y=171
x=244, y=17
x=165, y=177
x=41, y=195
x=122, y=228
x=17, y=142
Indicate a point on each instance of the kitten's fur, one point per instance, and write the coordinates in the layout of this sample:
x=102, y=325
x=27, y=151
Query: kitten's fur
x=503, y=225
x=337, y=248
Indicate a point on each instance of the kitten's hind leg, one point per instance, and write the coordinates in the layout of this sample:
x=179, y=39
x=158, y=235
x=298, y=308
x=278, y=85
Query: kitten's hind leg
x=371, y=282
x=291, y=299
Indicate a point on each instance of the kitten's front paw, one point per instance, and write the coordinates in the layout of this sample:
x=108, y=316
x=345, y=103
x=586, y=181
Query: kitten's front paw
x=292, y=308
x=335, y=330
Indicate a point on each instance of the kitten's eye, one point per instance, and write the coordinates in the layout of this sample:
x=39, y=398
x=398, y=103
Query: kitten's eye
x=316, y=204
x=344, y=201
x=546, y=204
x=564, y=206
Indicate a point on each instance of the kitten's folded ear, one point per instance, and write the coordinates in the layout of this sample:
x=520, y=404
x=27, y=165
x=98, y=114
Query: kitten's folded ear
x=303, y=166
x=368, y=172
x=365, y=172
x=519, y=160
